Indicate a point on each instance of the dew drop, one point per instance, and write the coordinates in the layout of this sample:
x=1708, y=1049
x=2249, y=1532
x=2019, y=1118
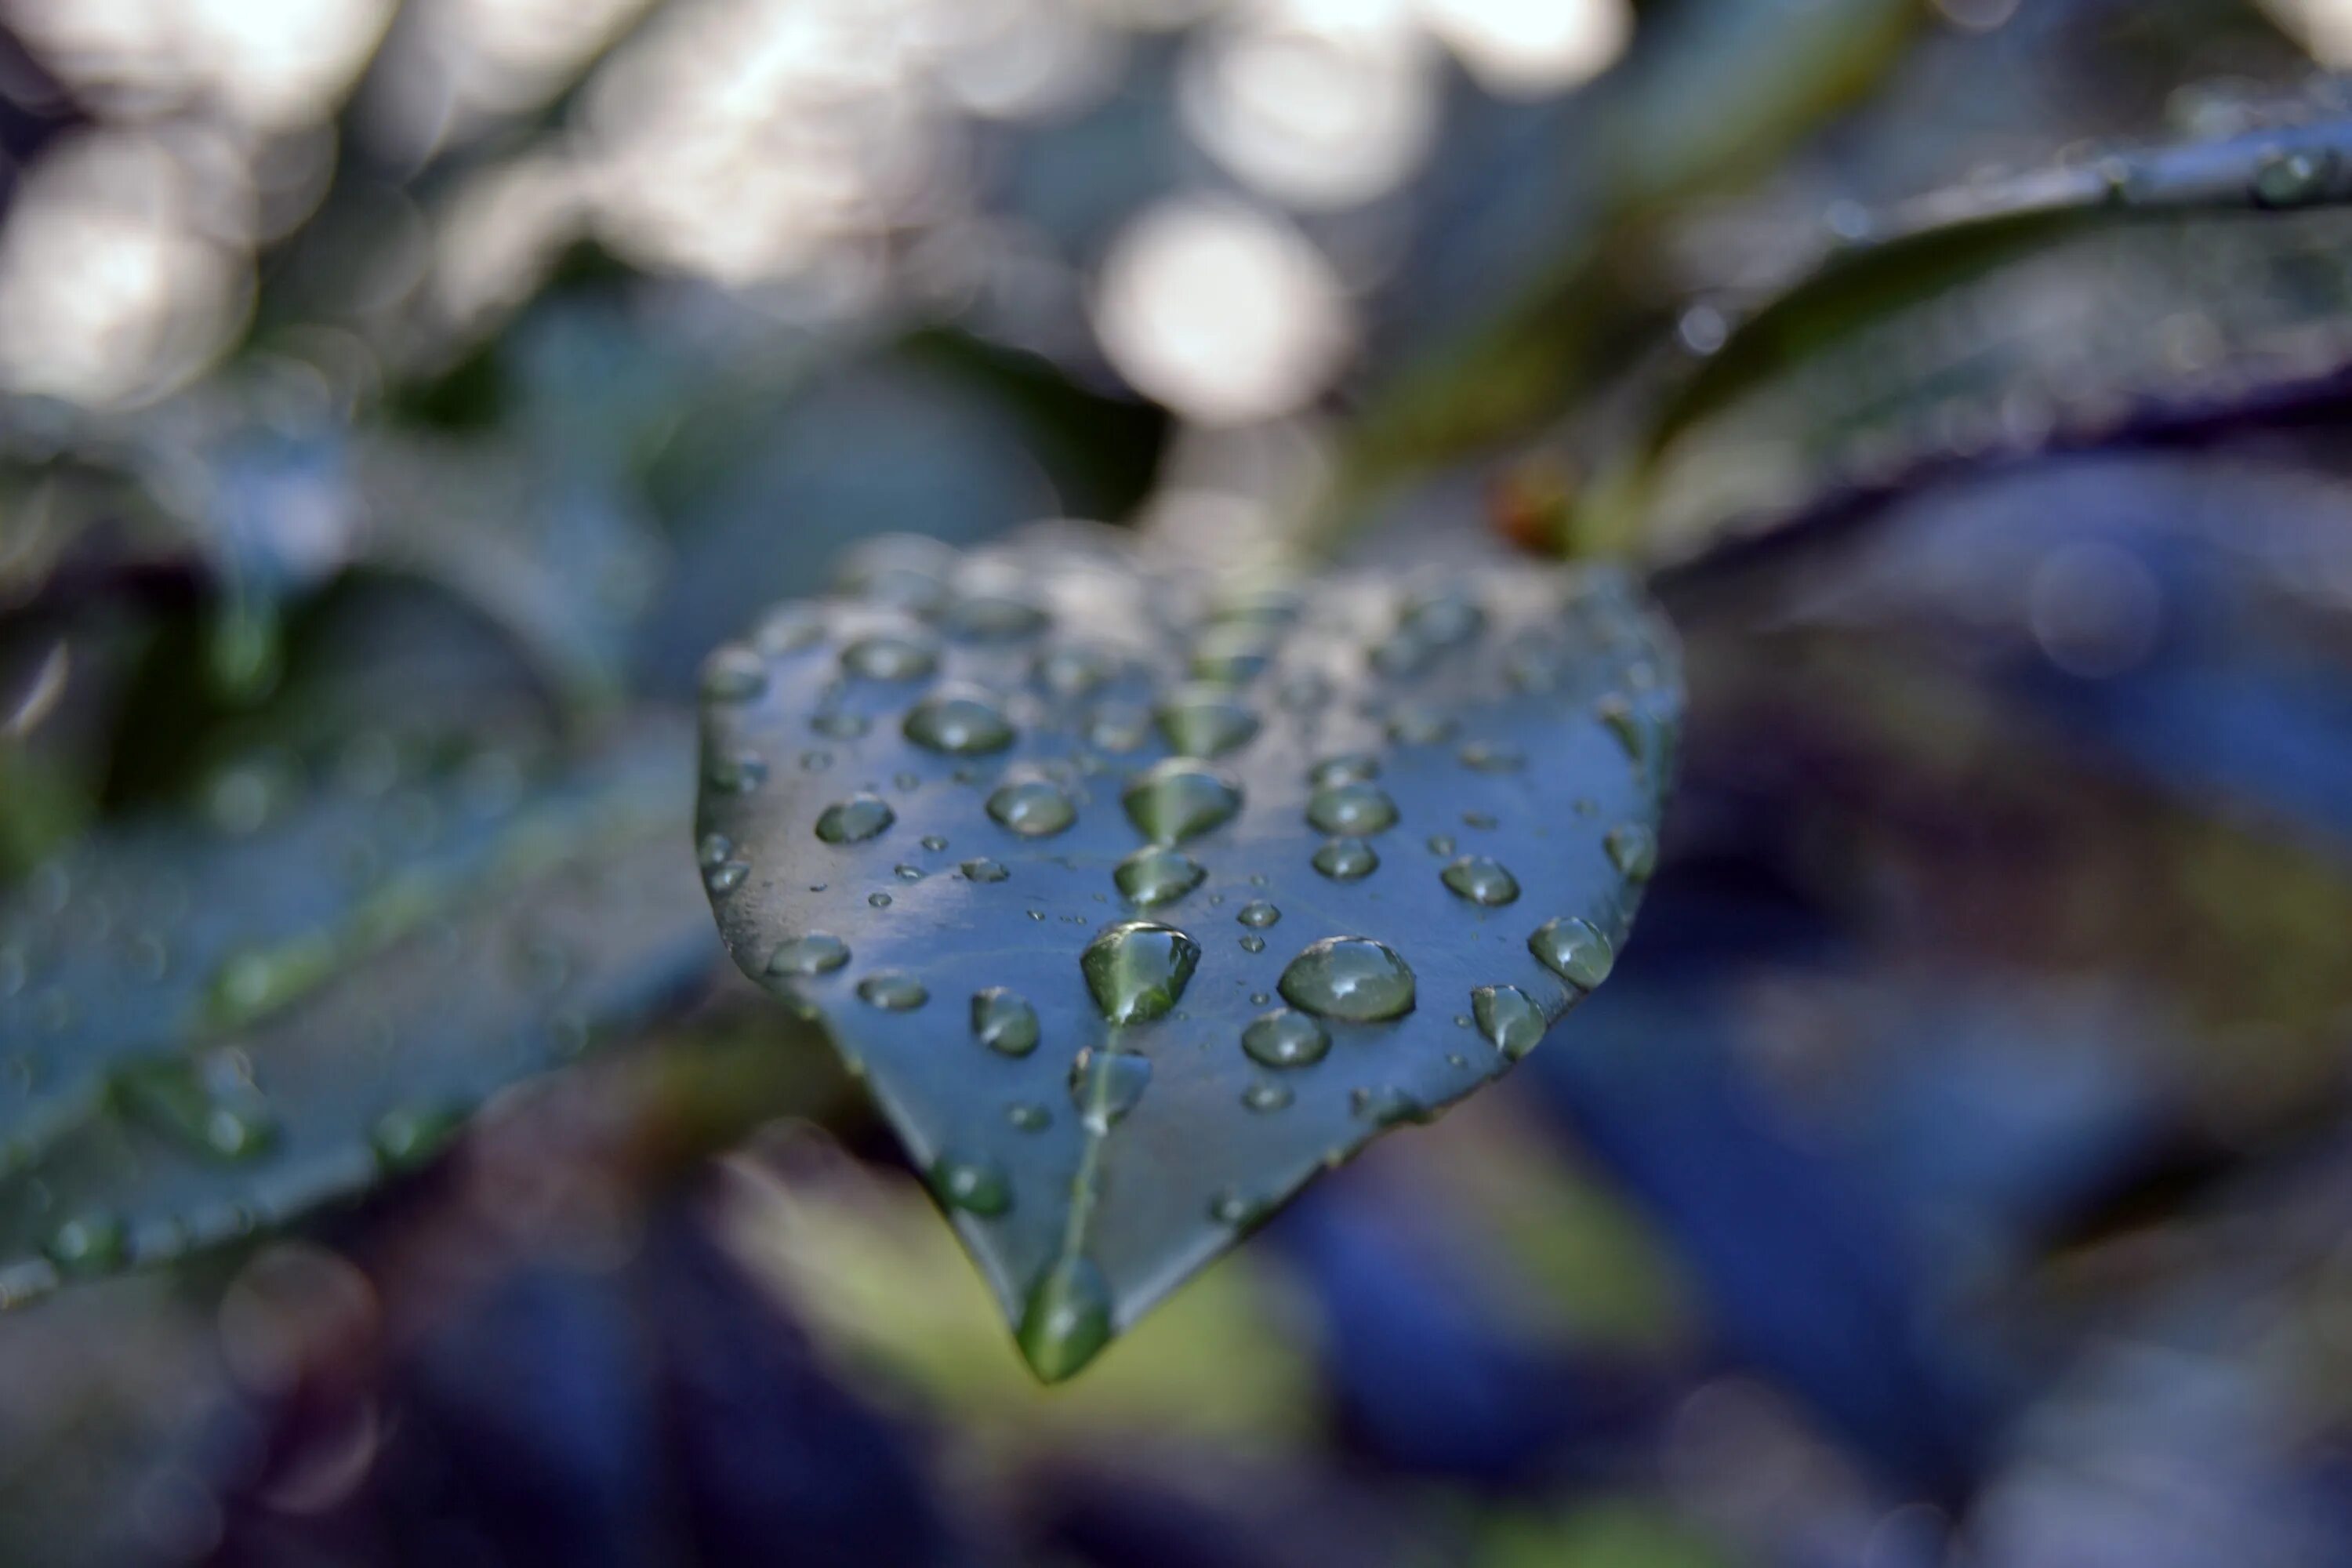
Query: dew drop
x=1027, y=1116
x=1004, y=1021
x=1352, y=978
x=1351, y=767
x=1155, y=876
x=855, y=820
x=1346, y=859
x=879, y=901
x=1231, y=655
x=1074, y=670
x=1206, y=723
x=1230, y=1207
x=1137, y=970
x=887, y=657
x=1253, y=943
x=1574, y=950
x=840, y=725
x=2293, y=179
x=734, y=673
x=1031, y=807
x=983, y=870
x=1105, y=1085
x=1119, y=727
x=789, y=630
x=713, y=850
x=976, y=1186
x=405, y=1137
x=1634, y=850
x=892, y=992
x=1354, y=809
x=1480, y=880
x=933, y=842
x=1284, y=1038
x=87, y=1244
x=740, y=772
x=818, y=953
x=1258, y=914
x=1179, y=798
x=1263, y=1098
x=1440, y=844
x=1066, y=1320
x=1511, y=1022
x=1386, y=1105
x=959, y=720
x=727, y=876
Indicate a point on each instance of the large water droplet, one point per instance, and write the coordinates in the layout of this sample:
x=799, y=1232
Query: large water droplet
x=1066, y=1318
x=1352, y=978
x=1511, y=1022
x=1031, y=807
x=1574, y=950
x=1180, y=799
x=1204, y=723
x=892, y=991
x=1284, y=1038
x=734, y=673
x=818, y=953
x=960, y=720
x=1155, y=876
x=1354, y=809
x=855, y=820
x=886, y=656
x=1346, y=859
x=1137, y=970
x=1480, y=880
x=1634, y=850
x=1004, y=1021
x=977, y=1186
x=1105, y=1085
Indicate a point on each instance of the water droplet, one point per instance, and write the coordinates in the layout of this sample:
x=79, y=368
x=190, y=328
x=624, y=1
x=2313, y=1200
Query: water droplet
x=1354, y=809
x=1002, y=1020
x=1480, y=819
x=905, y=570
x=1351, y=978
x=1155, y=876
x=933, y=842
x=208, y=1104
x=1440, y=844
x=975, y=1185
x=739, y=773
x=1352, y=767
x=960, y=721
x=818, y=953
x=1230, y=1207
x=907, y=873
x=733, y=673
x=1231, y=655
x=1259, y=914
x=1202, y=723
x=1263, y=1098
x=1413, y=725
x=879, y=901
x=1481, y=881
x=1346, y=859
x=1119, y=727
x=1634, y=850
x=1574, y=950
x=1253, y=943
x=1137, y=970
x=1386, y=1105
x=815, y=762
x=1179, y=798
x=855, y=820
x=87, y=1244
x=727, y=876
x=1493, y=757
x=1031, y=807
x=983, y=870
x=1074, y=669
x=2293, y=179
x=886, y=656
x=1618, y=714
x=1511, y=1022
x=406, y=1137
x=714, y=850
x=1105, y=1085
x=1027, y=1116
x=892, y=991
x=1284, y=1038
x=1066, y=1318
x=841, y=725
x=1443, y=617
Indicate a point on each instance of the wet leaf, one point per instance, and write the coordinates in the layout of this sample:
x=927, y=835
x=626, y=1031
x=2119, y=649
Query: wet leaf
x=1120, y=1003
x=215, y=1025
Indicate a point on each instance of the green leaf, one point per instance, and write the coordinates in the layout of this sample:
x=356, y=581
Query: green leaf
x=214, y=1025
x=1120, y=1003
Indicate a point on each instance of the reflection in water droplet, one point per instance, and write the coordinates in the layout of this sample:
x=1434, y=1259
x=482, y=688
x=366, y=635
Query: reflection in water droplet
x=1481, y=881
x=892, y=991
x=1354, y=809
x=1511, y=1022
x=855, y=820
x=818, y=953
x=1119, y=727
x=1105, y=1085
x=1206, y=723
x=789, y=630
x=977, y=1186
x=1263, y=1098
x=1031, y=807
x=983, y=869
x=886, y=656
x=1137, y=970
x=1231, y=655
x=1155, y=876
x=1066, y=1318
x=1575, y=950
x=1346, y=859
x=1004, y=1021
x=733, y=673
x=959, y=720
x=1180, y=799
x=1634, y=850
x=1351, y=978
x=1284, y=1038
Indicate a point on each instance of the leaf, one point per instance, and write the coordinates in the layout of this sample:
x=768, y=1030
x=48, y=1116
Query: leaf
x=946, y=811
x=216, y=1026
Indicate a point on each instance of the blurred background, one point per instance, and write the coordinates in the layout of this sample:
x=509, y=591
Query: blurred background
x=399, y=397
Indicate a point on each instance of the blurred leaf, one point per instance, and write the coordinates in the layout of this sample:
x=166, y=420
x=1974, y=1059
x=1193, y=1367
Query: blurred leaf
x=218, y=1025
x=1005, y=856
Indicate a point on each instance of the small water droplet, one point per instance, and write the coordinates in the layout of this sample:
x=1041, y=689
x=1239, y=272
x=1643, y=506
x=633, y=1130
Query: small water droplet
x=1480, y=880
x=815, y=762
x=1354, y=809
x=960, y=721
x=713, y=850
x=1634, y=850
x=976, y=1186
x=1617, y=715
x=1401, y=655
x=1179, y=798
x=1230, y=1207
x=907, y=873
x=1231, y=655
x=1386, y=1105
x=1031, y=807
x=983, y=870
x=879, y=901
x=406, y=1137
x=739, y=773
x=87, y=1244
x=734, y=673
x=1259, y=914
x=1027, y=1116
x=855, y=820
x=2293, y=179
x=1284, y=1038
x=886, y=656
x=1066, y=1320
x=1574, y=950
x=1413, y=725
x=933, y=842
x=892, y=991
x=1004, y=1021
x=789, y=630
x=1352, y=978
x=1253, y=943
x=1074, y=669
x=1155, y=876
x=1263, y=1098
x=727, y=876
x=1137, y=969
x=1510, y=1019
x=1483, y=820
x=1206, y=723
x=1105, y=1085
x=1443, y=617
x=1440, y=844
x=840, y=724
x=1119, y=727
x=818, y=953
x=1351, y=767
x=1346, y=859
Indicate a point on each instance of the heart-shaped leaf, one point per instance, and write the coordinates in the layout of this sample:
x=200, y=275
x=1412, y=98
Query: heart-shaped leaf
x=1139, y=898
